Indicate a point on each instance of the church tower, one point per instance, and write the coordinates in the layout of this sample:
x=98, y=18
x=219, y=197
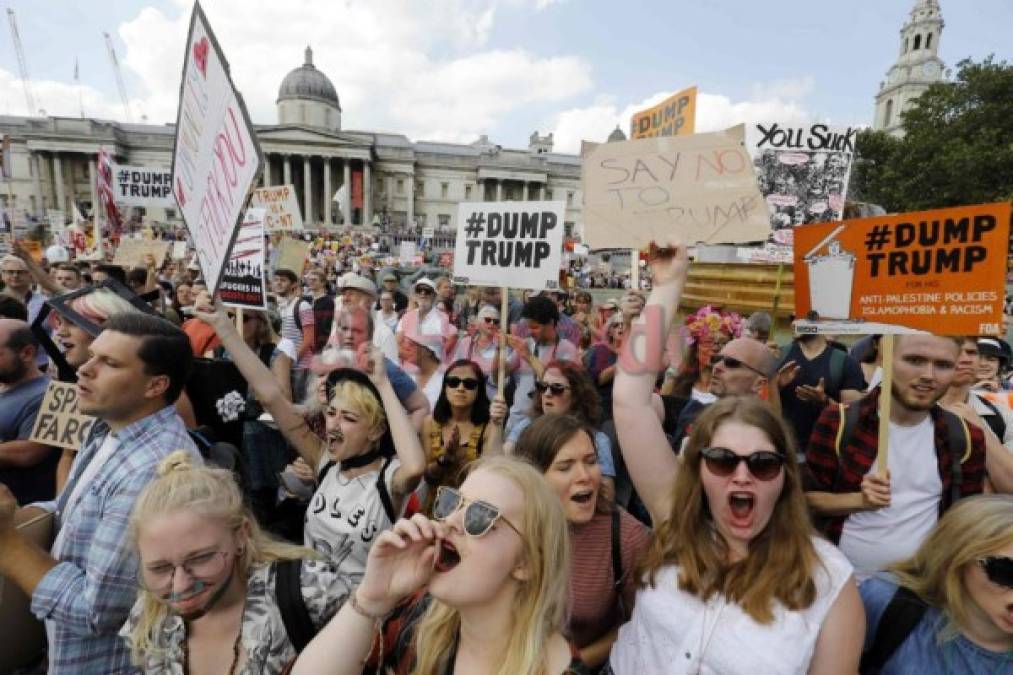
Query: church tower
x=917, y=67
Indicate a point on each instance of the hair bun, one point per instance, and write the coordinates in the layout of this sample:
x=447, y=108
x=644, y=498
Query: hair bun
x=177, y=461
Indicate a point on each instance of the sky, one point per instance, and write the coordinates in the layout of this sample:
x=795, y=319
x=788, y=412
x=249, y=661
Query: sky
x=450, y=70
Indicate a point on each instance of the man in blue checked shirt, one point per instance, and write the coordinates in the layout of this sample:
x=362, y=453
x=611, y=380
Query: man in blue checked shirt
x=84, y=587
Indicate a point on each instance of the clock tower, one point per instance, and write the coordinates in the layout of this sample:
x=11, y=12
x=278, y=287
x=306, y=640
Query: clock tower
x=917, y=67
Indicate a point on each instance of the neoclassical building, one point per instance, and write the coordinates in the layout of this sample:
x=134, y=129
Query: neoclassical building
x=385, y=175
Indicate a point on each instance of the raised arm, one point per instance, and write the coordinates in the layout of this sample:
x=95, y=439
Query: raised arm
x=649, y=459
x=35, y=269
x=406, y=438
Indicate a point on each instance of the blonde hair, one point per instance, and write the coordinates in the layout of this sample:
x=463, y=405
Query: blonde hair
x=540, y=603
x=181, y=485
x=973, y=528
x=100, y=304
x=363, y=401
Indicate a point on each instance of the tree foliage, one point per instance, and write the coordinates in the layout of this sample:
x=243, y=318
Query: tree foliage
x=957, y=148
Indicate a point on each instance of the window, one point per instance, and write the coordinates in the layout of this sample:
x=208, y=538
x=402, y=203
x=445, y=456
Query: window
x=400, y=186
x=918, y=42
x=569, y=199
x=928, y=41
x=420, y=189
x=567, y=229
x=467, y=192
x=548, y=195
x=444, y=220
x=170, y=214
x=889, y=113
x=444, y=190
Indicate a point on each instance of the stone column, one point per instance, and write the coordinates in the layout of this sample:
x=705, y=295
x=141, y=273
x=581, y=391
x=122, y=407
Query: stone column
x=388, y=190
x=288, y=170
x=499, y=190
x=61, y=195
x=367, y=194
x=266, y=178
x=37, y=182
x=307, y=192
x=411, y=201
x=93, y=179
x=346, y=206
x=541, y=192
x=328, y=194
x=525, y=191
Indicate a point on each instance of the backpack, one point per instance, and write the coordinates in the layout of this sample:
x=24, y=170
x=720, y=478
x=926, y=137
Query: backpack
x=381, y=486
x=295, y=312
x=900, y=617
x=291, y=603
x=995, y=421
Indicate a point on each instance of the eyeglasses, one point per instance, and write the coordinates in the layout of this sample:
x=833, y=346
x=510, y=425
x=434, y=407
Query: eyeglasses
x=489, y=319
x=999, y=570
x=554, y=387
x=469, y=383
x=15, y=271
x=479, y=516
x=423, y=290
x=202, y=567
x=764, y=465
x=733, y=363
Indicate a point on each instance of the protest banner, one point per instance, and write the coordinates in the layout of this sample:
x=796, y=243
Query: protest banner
x=57, y=222
x=511, y=244
x=142, y=186
x=700, y=188
x=243, y=281
x=291, y=255
x=58, y=422
x=216, y=156
x=941, y=271
x=802, y=170
x=282, y=208
x=131, y=252
x=675, y=116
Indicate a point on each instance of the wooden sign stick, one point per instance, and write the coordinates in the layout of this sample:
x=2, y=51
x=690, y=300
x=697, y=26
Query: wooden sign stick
x=885, y=398
x=239, y=320
x=503, y=326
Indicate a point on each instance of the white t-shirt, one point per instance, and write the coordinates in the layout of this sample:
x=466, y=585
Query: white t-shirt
x=673, y=632
x=873, y=540
x=344, y=517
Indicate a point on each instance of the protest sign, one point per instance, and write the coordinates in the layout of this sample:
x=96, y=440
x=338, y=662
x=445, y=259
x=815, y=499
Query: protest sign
x=216, y=157
x=282, y=208
x=131, y=252
x=142, y=186
x=59, y=423
x=178, y=250
x=675, y=116
x=700, y=188
x=940, y=271
x=406, y=251
x=291, y=255
x=57, y=222
x=802, y=170
x=512, y=244
x=243, y=281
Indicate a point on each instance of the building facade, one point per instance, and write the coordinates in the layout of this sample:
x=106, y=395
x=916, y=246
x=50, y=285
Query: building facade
x=340, y=176
x=918, y=66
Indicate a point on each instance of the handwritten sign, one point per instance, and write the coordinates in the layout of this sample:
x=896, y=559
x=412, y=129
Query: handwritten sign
x=802, y=170
x=178, y=250
x=282, y=208
x=515, y=244
x=142, y=186
x=940, y=271
x=291, y=255
x=216, y=157
x=57, y=222
x=131, y=252
x=675, y=116
x=59, y=423
x=700, y=188
x=243, y=281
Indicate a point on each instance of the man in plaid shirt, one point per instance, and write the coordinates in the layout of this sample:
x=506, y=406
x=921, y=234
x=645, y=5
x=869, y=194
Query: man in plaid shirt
x=878, y=520
x=83, y=589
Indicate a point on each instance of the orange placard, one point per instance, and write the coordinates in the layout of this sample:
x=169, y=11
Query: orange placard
x=675, y=116
x=941, y=271
x=33, y=247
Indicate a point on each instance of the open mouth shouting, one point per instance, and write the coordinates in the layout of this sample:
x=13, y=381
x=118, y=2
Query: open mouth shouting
x=741, y=506
x=447, y=558
x=583, y=497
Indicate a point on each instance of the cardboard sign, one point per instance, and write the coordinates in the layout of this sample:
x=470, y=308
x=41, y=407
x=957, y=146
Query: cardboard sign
x=178, y=250
x=406, y=251
x=57, y=222
x=802, y=170
x=243, y=281
x=291, y=255
x=940, y=271
x=282, y=208
x=131, y=252
x=700, y=188
x=515, y=244
x=59, y=423
x=216, y=156
x=675, y=116
x=142, y=186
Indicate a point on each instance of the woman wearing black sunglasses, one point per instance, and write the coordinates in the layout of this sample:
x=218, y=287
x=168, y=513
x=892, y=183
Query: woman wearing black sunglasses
x=949, y=609
x=463, y=427
x=736, y=580
x=482, y=589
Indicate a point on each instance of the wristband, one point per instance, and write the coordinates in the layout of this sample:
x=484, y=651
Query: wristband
x=353, y=602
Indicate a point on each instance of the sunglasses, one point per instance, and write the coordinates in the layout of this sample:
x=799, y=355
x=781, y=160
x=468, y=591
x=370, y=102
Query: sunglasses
x=479, y=516
x=453, y=382
x=999, y=570
x=733, y=363
x=556, y=388
x=423, y=290
x=764, y=465
x=489, y=319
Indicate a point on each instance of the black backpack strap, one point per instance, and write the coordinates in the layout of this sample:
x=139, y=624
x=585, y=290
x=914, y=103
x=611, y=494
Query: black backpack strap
x=324, y=469
x=995, y=421
x=899, y=618
x=291, y=604
x=381, y=487
x=837, y=360
x=617, y=561
x=958, y=437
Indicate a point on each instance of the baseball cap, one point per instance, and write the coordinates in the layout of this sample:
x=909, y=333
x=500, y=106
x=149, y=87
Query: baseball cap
x=488, y=311
x=428, y=283
x=433, y=343
x=359, y=283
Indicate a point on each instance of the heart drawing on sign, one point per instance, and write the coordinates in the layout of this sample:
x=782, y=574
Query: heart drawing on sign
x=200, y=53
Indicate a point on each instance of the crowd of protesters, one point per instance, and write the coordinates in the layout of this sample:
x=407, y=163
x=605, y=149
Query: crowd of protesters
x=606, y=487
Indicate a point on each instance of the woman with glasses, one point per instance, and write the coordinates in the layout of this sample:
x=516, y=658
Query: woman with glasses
x=464, y=426
x=566, y=389
x=736, y=579
x=607, y=544
x=208, y=574
x=949, y=609
x=481, y=589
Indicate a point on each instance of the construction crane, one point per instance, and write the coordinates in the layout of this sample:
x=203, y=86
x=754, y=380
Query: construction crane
x=119, y=75
x=22, y=64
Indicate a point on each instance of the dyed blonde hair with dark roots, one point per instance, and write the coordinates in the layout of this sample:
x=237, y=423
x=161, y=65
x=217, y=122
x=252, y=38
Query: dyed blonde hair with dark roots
x=782, y=560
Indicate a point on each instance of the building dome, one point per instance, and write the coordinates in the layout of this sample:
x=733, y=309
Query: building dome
x=617, y=135
x=306, y=82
